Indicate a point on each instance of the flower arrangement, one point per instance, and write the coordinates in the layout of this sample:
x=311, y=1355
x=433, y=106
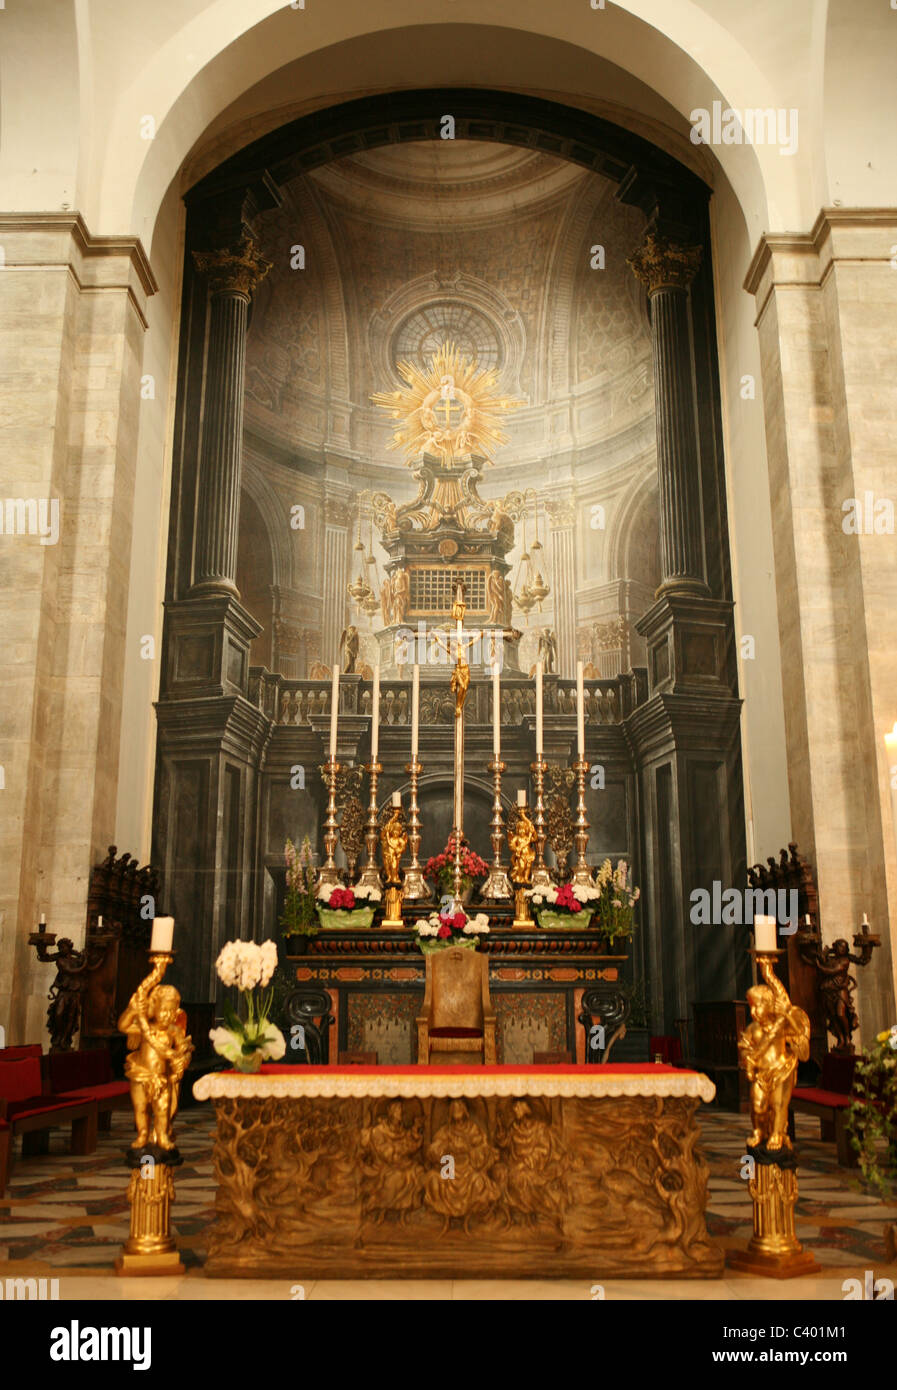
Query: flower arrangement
x=299, y=915
x=872, y=1116
x=450, y=928
x=246, y=1043
x=441, y=867
x=346, y=907
x=564, y=906
x=614, y=911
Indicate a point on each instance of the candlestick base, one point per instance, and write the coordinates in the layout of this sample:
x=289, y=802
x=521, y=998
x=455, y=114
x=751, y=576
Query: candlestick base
x=415, y=886
x=522, y=915
x=582, y=877
x=497, y=887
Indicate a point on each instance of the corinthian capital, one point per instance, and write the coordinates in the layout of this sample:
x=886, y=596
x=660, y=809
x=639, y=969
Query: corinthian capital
x=661, y=264
x=236, y=271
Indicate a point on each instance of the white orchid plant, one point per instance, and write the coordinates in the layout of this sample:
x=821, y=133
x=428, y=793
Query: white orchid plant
x=246, y=1043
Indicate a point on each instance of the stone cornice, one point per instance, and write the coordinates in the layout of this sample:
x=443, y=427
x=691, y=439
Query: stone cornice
x=829, y=221
x=51, y=224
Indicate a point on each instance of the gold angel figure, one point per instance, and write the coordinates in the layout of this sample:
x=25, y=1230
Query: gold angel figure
x=159, y=1051
x=770, y=1048
x=521, y=838
x=393, y=843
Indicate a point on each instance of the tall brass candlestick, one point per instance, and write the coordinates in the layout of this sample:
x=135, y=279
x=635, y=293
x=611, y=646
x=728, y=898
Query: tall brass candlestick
x=414, y=884
x=582, y=875
x=497, y=885
x=329, y=872
x=541, y=876
x=370, y=874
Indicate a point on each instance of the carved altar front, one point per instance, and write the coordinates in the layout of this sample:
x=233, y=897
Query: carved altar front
x=444, y=1172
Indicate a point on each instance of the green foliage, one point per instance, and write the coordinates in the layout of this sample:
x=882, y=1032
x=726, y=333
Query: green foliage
x=299, y=917
x=872, y=1117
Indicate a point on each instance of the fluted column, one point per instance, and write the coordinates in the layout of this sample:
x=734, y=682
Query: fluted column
x=562, y=518
x=337, y=520
x=666, y=269
x=232, y=277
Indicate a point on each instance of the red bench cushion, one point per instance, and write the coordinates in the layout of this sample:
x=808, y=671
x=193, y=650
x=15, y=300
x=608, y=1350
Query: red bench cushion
x=835, y=1100
x=456, y=1032
x=20, y=1080
x=108, y=1091
x=37, y=1105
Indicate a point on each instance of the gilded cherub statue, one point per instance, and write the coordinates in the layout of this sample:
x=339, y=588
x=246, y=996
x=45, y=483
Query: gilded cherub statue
x=770, y=1048
x=393, y=843
x=521, y=838
x=159, y=1051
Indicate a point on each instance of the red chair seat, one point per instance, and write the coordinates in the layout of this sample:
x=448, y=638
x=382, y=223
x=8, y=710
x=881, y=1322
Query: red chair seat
x=456, y=1032
x=37, y=1105
x=75, y=1071
x=833, y=1099
x=21, y=1052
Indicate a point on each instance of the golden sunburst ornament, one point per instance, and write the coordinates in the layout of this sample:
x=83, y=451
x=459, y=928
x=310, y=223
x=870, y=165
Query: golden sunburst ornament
x=451, y=410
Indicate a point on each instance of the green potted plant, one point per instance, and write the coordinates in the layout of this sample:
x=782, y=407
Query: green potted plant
x=872, y=1116
x=299, y=917
x=615, y=909
x=441, y=869
x=563, y=907
x=340, y=907
x=447, y=928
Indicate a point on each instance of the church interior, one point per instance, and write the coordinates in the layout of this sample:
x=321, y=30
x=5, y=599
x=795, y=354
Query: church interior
x=446, y=552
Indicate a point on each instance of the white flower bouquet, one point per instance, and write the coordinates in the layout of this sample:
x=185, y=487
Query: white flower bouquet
x=449, y=928
x=564, y=906
x=346, y=907
x=247, y=966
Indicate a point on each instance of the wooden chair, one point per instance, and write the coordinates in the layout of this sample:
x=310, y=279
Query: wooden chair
x=357, y=1059
x=829, y=1102
x=457, y=1021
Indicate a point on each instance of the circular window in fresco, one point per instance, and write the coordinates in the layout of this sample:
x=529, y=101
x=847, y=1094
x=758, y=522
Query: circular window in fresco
x=424, y=332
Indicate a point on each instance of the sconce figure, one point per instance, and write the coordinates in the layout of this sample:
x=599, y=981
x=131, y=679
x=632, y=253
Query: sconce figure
x=770, y=1048
x=159, y=1051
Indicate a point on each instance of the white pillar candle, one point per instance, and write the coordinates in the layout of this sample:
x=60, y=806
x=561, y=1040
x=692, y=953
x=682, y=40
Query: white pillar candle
x=765, y=933
x=375, y=716
x=43, y=919
x=99, y=922
x=580, y=712
x=334, y=711
x=538, y=709
x=415, y=710
x=496, y=713
x=163, y=934
x=397, y=798
x=521, y=796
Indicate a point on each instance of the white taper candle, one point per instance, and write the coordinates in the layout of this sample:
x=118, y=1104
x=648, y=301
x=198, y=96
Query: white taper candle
x=538, y=709
x=496, y=713
x=580, y=712
x=334, y=711
x=415, y=710
x=375, y=716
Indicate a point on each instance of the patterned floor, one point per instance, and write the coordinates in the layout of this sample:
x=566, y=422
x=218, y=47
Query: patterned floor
x=65, y=1214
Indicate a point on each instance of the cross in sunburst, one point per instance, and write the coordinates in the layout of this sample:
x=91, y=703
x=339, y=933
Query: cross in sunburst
x=450, y=410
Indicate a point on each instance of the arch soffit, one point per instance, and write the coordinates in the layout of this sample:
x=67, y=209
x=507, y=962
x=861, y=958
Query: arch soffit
x=639, y=38
x=639, y=492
